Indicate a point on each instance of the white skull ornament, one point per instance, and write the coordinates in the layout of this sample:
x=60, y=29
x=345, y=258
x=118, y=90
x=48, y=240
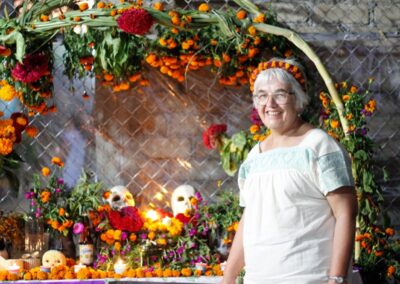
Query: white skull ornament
x=120, y=197
x=180, y=199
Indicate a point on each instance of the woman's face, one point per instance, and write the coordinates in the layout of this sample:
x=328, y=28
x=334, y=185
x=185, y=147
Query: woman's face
x=279, y=111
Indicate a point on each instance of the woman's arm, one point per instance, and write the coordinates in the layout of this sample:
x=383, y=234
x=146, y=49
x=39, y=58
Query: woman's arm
x=235, y=261
x=343, y=202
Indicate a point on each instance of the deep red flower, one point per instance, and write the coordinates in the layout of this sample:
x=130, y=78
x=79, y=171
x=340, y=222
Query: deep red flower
x=183, y=218
x=135, y=21
x=20, y=122
x=212, y=135
x=128, y=219
x=34, y=66
x=255, y=118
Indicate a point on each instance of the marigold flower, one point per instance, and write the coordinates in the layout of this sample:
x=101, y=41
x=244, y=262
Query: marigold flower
x=259, y=19
x=334, y=123
x=204, y=7
x=100, y=5
x=57, y=161
x=117, y=246
x=6, y=146
x=7, y=92
x=254, y=128
x=135, y=21
x=44, y=18
x=241, y=14
x=151, y=235
x=61, y=211
x=132, y=237
x=45, y=196
x=83, y=6
x=346, y=98
x=46, y=171
x=252, y=30
x=391, y=270
x=389, y=231
x=158, y=6
x=4, y=51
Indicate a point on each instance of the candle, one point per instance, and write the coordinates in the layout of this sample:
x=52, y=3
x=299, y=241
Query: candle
x=119, y=267
x=78, y=267
x=13, y=269
x=45, y=269
x=201, y=266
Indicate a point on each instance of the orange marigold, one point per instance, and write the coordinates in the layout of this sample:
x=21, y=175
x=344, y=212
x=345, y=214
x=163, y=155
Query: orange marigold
x=57, y=161
x=83, y=6
x=204, y=7
x=46, y=171
x=241, y=14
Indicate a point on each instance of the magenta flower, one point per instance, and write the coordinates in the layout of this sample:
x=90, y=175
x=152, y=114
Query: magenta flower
x=135, y=21
x=32, y=68
x=78, y=228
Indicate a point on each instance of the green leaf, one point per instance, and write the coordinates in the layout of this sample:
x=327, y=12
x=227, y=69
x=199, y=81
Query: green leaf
x=17, y=38
x=361, y=155
x=239, y=140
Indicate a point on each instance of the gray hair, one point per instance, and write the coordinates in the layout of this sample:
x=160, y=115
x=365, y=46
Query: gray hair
x=282, y=75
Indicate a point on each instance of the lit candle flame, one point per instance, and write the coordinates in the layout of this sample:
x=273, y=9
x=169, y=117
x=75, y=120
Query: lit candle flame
x=153, y=215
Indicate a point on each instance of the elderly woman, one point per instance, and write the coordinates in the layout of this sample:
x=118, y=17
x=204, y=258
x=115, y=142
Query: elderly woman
x=297, y=189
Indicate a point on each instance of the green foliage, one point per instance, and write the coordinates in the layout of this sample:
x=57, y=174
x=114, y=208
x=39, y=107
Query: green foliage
x=85, y=197
x=234, y=151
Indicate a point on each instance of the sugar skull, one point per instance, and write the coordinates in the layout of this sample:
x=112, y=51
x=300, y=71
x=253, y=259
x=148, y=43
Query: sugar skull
x=120, y=197
x=53, y=258
x=180, y=200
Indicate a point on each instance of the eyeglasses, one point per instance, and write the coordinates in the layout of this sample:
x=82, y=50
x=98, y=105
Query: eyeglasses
x=280, y=97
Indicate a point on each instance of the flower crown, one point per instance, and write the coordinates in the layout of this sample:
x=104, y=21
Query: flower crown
x=290, y=68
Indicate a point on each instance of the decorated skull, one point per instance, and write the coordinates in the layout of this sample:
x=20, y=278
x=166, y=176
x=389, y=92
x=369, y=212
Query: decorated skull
x=53, y=258
x=180, y=200
x=120, y=197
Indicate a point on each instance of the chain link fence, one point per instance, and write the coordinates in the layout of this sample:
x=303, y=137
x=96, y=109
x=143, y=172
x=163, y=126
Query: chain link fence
x=150, y=139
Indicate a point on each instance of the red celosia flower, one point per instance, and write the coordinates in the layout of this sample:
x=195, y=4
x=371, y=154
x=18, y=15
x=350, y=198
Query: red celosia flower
x=212, y=135
x=128, y=219
x=34, y=66
x=183, y=218
x=135, y=21
x=20, y=121
x=255, y=118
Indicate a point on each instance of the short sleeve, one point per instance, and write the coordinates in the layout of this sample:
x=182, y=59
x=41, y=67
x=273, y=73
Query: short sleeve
x=334, y=171
x=243, y=172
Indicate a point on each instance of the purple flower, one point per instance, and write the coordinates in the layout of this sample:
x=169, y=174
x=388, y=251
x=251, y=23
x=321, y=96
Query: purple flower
x=78, y=228
x=192, y=232
x=113, y=252
x=180, y=250
x=363, y=131
x=58, y=190
x=29, y=195
x=143, y=236
x=193, y=246
x=60, y=181
x=124, y=235
x=33, y=203
x=197, y=216
x=171, y=254
x=198, y=196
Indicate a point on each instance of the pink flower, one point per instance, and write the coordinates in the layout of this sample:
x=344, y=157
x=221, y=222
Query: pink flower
x=78, y=228
x=135, y=21
x=34, y=66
